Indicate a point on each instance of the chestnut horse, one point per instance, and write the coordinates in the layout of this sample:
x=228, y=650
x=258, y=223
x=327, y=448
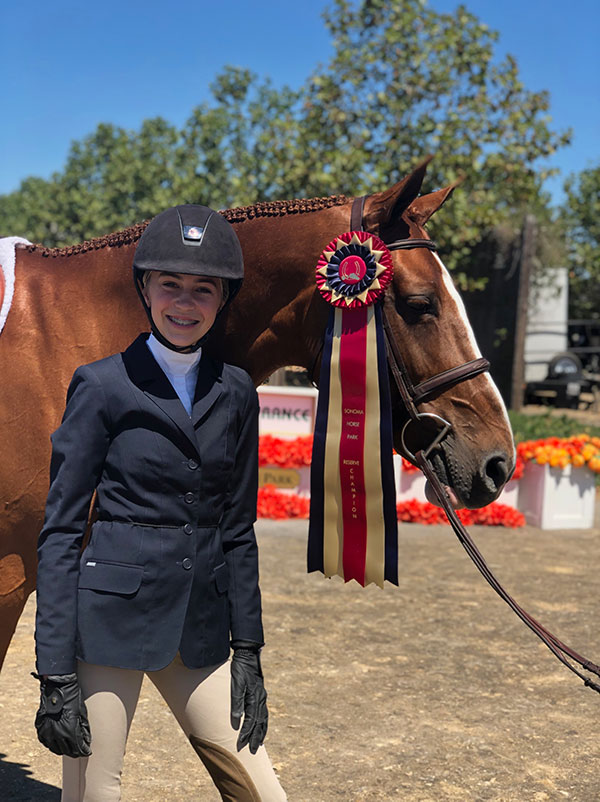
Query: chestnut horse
x=78, y=304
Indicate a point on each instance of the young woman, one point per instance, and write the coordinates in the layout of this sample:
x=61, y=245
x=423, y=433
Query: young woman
x=168, y=437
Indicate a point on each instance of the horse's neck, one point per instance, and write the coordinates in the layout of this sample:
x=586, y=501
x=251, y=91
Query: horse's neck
x=278, y=319
x=85, y=306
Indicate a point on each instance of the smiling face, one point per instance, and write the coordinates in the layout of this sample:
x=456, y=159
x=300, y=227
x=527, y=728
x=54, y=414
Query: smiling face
x=183, y=306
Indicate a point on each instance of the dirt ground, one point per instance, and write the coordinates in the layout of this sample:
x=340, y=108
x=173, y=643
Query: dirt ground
x=430, y=691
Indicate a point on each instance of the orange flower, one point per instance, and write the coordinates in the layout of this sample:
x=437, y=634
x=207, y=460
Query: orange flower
x=579, y=451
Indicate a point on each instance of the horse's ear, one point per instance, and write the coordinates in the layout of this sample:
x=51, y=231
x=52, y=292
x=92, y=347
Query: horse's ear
x=424, y=207
x=382, y=207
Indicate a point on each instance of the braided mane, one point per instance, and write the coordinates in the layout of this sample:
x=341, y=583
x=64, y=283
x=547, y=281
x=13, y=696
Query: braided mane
x=126, y=236
x=279, y=208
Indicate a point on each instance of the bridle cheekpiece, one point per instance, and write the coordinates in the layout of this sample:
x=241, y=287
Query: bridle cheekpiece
x=410, y=394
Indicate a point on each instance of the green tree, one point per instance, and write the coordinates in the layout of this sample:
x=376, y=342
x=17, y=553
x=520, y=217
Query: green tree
x=33, y=211
x=242, y=142
x=403, y=81
x=231, y=151
x=580, y=216
x=111, y=179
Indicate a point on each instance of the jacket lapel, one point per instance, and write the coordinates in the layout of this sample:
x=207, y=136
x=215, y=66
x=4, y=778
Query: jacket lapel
x=145, y=373
x=209, y=387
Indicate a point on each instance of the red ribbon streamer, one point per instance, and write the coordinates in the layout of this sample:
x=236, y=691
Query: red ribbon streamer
x=353, y=352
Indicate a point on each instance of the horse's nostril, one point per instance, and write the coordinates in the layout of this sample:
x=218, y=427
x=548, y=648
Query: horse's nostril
x=496, y=469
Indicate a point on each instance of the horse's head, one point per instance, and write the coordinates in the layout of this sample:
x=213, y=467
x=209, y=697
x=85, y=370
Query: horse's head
x=426, y=317
x=428, y=325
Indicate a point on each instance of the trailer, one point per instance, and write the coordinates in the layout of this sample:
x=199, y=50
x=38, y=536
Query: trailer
x=562, y=356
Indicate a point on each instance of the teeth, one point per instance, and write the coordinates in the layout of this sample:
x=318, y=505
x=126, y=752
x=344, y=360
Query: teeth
x=182, y=322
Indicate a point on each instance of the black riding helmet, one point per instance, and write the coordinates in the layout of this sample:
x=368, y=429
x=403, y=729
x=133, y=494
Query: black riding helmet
x=189, y=239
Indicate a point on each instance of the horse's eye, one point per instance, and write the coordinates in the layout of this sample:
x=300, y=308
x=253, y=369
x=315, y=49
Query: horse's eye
x=420, y=303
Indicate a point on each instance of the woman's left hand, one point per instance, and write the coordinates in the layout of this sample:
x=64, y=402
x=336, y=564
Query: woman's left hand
x=248, y=695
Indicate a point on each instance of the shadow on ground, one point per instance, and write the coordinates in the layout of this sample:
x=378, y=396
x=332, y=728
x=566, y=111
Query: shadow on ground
x=18, y=784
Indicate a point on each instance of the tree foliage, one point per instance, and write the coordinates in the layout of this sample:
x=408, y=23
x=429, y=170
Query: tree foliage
x=406, y=81
x=581, y=219
x=403, y=81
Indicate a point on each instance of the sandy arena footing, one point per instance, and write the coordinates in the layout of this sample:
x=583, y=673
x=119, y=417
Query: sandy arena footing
x=428, y=692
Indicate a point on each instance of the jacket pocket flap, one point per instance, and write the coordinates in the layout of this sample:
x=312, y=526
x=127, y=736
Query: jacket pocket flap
x=110, y=577
x=222, y=577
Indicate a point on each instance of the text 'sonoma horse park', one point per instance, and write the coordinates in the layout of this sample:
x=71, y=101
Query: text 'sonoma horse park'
x=78, y=304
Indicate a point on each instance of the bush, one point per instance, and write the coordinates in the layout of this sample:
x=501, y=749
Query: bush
x=535, y=427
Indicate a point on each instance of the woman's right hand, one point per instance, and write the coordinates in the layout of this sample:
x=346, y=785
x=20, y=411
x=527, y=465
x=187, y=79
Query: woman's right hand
x=248, y=695
x=61, y=721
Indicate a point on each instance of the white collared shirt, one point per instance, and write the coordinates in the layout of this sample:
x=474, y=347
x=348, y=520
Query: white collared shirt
x=180, y=369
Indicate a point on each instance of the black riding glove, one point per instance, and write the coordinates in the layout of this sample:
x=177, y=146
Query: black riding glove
x=248, y=695
x=61, y=722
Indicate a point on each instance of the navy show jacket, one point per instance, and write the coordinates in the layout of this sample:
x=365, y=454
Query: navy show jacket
x=172, y=561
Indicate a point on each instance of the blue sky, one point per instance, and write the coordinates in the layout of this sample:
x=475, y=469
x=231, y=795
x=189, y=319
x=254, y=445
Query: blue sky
x=69, y=65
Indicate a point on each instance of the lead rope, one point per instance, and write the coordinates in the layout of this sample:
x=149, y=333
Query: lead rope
x=410, y=397
x=557, y=647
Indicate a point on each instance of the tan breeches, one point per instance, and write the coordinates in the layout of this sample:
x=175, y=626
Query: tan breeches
x=200, y=701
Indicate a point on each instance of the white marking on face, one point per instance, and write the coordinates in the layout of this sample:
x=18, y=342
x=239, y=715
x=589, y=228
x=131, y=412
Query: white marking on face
x=462, y=313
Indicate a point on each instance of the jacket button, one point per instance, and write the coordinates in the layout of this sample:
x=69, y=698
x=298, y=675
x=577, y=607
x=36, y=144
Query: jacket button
x=192, y=464
x=187, y=563
x=189, y=498
x=188, y=529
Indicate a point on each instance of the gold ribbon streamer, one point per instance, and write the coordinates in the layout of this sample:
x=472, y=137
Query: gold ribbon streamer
x=375, y=557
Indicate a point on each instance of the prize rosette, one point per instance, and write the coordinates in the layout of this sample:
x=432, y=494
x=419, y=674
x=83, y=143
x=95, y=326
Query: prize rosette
x=354, y=270
x=353, y=529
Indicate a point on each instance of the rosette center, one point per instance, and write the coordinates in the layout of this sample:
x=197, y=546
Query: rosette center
x=352, y=269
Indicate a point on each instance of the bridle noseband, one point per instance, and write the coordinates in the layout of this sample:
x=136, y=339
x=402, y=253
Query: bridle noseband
x=410, y=394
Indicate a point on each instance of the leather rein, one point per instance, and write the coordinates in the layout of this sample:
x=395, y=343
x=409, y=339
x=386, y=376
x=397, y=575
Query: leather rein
x=412, y=396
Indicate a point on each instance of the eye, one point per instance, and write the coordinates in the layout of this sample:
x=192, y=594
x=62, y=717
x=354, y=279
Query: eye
x=421, y=304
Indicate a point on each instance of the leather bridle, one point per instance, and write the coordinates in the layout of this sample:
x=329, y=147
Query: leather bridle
x=411, y=396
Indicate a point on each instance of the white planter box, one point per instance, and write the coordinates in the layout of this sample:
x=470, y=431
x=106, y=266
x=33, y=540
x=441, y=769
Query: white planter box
x=408, y=485
x=557, y=498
